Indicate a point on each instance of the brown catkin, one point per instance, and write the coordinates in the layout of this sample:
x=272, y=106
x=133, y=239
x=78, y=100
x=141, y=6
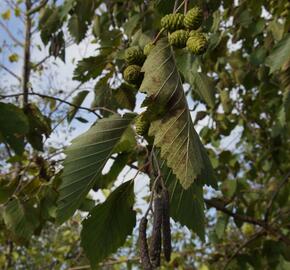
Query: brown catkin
x=166, y=231
x=144, y=252
x=155, y=245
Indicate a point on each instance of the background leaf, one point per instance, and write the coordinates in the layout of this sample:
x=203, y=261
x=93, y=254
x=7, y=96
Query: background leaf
x=20, y=218
x=280, y=54
x=106, y=229
x=78, y=101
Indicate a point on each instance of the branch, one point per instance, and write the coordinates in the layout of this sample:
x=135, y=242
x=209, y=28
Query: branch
x=186, y=6
x=26, y=58
x=219, y=205
x=175, y=5
x=6, y=29
x=36, y=9
x=58, y=99
x=11, y=72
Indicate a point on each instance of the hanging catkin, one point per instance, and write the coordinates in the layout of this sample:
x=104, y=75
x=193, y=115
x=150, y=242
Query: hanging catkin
x=144, y=252
x=155, y=244
x=166, y=231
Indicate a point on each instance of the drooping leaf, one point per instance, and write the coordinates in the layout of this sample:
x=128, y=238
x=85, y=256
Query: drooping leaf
x=39, y=126
x=49, y=22
x=90, y=68
x=109, y=224
x=186, y=206
x=107, y=179
x=57, y=46
x=85, y=160
x=103, y=95
x=67, y=7
x=77, y=101
x=280, y=54
x=201, y=83
x=77, y=28
x=131, y=25
x=204, y=87
x=13, y=126
x=173, y=129
x=125, y=96
x=7, y=188
x=20, y=219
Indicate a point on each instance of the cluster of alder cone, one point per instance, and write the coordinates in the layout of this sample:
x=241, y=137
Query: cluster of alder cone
x=151, y=256
x=183, y=31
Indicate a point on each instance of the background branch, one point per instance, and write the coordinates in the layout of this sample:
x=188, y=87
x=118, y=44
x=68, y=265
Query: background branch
x=271, y=230
x=10, y=72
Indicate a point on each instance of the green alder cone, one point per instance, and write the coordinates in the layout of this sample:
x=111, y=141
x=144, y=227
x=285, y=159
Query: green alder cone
x=147, y=49
x=193, y=18
x=178, y=38
x=142, y=124
x=134, y=56
x=197, y=43
x=172, y=22
x=132, y=74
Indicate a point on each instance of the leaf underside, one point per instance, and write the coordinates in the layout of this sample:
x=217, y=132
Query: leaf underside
x=172, y=126
x=85, y=160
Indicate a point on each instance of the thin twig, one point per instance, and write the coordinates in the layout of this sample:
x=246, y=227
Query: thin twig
x=158, y=36
x=38, y=8
x=61, y=101
x=180, y=6
x=186, y=6
x=6, y=29
x=175, y=6
x=10, y=72
x=26, y=54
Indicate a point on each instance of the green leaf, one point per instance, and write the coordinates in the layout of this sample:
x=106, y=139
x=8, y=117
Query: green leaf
x=77, y=28
x=77, y=101
x=107, y=179
x=90, y=68
x=39, y=125
x=204, y=87
x=173, y=129
x=229, y=188
x=125, y=96
x=85, y=160
x=221, y=225
x=49, y=23
x=280, y=54
x=127, y=142
x=103, y=95
x=131, y=24
x=7, y=188
x=20, y=219
x=67, y=7
x=201, y=83
x=186, y=206
x=13, y=126
x=109, y=224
